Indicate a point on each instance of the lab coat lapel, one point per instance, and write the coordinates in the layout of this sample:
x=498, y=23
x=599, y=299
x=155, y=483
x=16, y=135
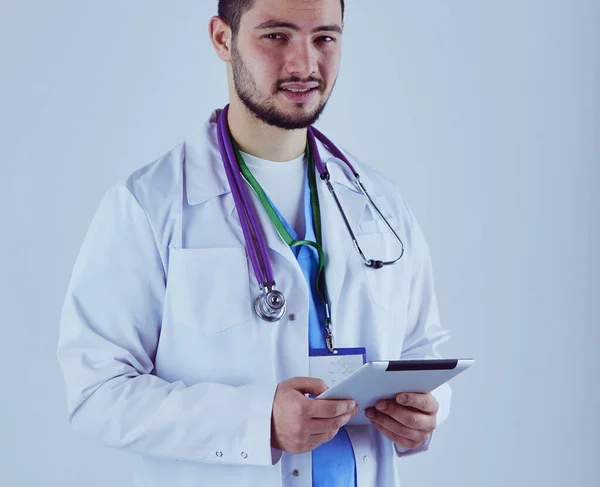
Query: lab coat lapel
x=337, y=243
x=272, y=237
x=206, y=178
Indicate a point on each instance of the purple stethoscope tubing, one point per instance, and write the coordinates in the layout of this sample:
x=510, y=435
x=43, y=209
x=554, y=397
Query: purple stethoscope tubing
x=248, y=217
x=312, y=133
x=271, y=304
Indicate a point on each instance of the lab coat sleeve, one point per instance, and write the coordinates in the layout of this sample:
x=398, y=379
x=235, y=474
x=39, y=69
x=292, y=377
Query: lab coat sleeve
x=109, y=330
x=424, y=332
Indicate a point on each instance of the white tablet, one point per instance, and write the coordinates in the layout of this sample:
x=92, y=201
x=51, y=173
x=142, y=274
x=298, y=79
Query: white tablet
x=384, y=380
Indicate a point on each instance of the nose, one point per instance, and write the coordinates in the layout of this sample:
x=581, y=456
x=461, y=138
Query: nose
x=302, y=59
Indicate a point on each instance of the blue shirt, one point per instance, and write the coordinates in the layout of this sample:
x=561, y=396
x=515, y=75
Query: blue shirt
x=333, y=463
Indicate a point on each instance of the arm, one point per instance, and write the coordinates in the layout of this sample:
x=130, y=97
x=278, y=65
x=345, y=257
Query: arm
x=424, y=333
x=109, y=331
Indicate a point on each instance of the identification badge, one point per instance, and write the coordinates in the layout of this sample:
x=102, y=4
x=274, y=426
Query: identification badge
x=331, y=368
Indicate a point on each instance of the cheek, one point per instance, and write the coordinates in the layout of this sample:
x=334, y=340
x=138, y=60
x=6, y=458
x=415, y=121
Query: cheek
x=265, y=62
x=330, y=66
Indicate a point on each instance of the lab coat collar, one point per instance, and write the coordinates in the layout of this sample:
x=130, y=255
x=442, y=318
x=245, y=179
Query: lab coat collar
x=205, y=174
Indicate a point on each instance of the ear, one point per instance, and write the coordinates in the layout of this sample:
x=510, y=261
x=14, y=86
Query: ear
x=220, y=36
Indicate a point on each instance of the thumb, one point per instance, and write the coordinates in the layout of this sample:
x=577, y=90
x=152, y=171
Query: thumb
x=308, y=385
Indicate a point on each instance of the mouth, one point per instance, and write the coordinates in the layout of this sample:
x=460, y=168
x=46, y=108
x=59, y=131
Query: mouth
x=299, y=95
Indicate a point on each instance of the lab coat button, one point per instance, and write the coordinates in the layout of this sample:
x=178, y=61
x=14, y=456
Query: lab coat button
x=292, y=317
x=366, y=459
x=244, y=455
x=296, y=473
x=219, y=454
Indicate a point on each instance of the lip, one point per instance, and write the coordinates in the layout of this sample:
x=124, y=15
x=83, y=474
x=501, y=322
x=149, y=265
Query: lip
x=300, y=97
x=300, y=86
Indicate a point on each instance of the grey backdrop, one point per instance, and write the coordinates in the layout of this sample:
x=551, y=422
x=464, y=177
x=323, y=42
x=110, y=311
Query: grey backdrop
x=487, y=115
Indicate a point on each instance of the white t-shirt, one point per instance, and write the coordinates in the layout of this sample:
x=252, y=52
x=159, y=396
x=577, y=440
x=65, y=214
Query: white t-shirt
x=284, y=184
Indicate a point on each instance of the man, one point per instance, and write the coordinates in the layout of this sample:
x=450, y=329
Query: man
x=160, y=347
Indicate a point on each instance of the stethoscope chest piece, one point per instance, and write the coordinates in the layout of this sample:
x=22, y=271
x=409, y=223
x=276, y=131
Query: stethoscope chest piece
x=270, y=305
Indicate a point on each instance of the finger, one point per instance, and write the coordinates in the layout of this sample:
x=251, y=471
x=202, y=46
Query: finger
x=410, y=418
x=316, y=440
x=423, y=402
x=323, y=426
x=391, y=424
x=399, y=440
x=308, y=385
x=331, y=408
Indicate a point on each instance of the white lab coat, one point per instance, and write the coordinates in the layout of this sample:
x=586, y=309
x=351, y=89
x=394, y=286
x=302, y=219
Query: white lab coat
x=163, y=355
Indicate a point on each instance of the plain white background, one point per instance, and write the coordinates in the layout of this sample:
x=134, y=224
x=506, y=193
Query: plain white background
x=486, y=113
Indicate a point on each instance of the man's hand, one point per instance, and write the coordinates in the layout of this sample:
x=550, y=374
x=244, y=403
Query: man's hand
x=300, y=424
x=408, y=421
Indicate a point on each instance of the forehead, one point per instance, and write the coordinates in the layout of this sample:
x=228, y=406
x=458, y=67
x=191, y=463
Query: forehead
x=299, y=12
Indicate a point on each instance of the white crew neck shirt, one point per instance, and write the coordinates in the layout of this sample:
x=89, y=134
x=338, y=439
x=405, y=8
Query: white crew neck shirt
x=284, y=184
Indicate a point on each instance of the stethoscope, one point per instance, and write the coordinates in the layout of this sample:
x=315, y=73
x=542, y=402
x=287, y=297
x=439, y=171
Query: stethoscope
x=270, y=304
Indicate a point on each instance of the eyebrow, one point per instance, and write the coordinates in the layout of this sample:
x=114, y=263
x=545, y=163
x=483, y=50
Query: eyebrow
x=278, y=24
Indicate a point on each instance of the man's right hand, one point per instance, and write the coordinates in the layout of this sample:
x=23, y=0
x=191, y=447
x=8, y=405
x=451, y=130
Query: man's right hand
x=300, y=424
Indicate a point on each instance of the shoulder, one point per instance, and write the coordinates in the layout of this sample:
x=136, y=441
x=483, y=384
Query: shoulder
x=377, y=183
x=149, y=195
x=158, y=181
x=379, y=179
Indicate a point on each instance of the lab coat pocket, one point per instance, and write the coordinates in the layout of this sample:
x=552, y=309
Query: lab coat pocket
x=377, y=225
x=390, y=284
x=208, y=288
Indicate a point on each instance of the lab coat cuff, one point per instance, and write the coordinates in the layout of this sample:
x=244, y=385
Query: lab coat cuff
x=404, y=452
x=259, y=428
x=443, y=395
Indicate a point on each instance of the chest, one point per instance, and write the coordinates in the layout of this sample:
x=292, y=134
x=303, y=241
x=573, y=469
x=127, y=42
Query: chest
x=210, y=332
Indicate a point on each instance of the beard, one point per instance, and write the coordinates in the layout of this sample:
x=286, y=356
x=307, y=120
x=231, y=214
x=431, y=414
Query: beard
x=263, y=108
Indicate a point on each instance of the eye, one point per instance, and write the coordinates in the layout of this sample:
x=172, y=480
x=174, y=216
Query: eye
x=326, y=39
x=275, y=37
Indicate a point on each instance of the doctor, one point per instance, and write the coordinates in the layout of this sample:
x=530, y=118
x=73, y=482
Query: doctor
x=162, y=350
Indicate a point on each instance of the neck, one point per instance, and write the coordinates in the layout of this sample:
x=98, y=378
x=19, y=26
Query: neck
x=264, y=141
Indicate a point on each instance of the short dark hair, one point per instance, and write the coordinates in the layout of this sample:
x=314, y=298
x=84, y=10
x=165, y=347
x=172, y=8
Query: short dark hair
x=231, y=12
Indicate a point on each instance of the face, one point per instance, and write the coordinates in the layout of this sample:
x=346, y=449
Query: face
x=285, y=60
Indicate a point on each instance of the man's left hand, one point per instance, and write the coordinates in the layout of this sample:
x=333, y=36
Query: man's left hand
x=408, y=421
